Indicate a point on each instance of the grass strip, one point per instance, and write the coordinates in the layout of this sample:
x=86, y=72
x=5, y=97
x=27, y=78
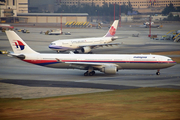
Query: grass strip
x=141, y=104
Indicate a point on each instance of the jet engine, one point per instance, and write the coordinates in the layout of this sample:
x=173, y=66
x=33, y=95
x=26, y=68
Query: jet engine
x=86, y=49
x=109, y=70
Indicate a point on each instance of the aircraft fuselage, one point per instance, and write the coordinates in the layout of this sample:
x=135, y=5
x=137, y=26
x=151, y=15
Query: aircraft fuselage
x=122, y=61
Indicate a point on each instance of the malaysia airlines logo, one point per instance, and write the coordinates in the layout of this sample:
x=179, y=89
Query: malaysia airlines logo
x=112, y=31
x=19, y=44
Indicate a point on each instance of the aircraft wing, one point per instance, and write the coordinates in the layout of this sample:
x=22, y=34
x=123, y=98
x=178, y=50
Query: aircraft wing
x=99, y=45
x=84, y=65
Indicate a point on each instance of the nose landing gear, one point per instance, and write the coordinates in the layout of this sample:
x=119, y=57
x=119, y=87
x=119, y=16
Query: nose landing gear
x=158, y=73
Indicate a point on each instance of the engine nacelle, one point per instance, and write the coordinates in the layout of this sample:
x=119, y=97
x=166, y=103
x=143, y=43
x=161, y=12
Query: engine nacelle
x=109, y=70
x=86, y=49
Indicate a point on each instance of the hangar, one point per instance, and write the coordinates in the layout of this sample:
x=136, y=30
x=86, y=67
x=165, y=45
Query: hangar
x=53, y=17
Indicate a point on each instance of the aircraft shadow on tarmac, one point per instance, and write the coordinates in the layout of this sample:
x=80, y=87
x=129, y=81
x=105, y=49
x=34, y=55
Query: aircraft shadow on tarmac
x=65, y=84
x=69, y=84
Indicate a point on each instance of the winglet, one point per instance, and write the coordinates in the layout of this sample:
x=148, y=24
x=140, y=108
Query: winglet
x=112, y=29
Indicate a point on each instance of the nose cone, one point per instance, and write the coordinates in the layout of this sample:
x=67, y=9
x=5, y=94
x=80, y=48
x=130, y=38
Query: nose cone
x=54, y=47
x=50, y=46
x=172, y=63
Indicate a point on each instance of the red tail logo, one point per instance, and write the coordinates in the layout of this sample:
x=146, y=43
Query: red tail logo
x=19, y=44
x=112, y=31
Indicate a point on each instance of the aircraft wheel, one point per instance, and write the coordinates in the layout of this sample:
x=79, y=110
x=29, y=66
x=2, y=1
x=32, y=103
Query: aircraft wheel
x=86, y=73
x=76, y=51
x=92, y=73
x=157, y=73
x=58, y=51
x=90, y=52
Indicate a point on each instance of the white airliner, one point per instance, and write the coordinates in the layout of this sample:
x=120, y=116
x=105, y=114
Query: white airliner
x=4, y=26
x=86, y=44
x=107, y=63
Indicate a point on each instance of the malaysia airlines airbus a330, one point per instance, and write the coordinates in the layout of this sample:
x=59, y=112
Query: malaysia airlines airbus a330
x=107, y=63
x=86, y=44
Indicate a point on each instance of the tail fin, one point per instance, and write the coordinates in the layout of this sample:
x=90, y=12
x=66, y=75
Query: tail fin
x=112, y=29
x=17, y=44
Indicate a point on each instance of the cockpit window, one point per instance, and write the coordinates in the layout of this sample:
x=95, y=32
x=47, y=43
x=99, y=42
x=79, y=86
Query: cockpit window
x=53, y=43
x=169, y=60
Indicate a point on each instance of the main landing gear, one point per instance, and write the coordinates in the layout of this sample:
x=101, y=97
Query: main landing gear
x=89, y=73
x=90, y=52
x=76, y=52
x=158, y=73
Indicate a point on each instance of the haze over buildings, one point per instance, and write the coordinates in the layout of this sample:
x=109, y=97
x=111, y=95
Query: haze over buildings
x=10, y=9
x=142, y=6
x=51, y=6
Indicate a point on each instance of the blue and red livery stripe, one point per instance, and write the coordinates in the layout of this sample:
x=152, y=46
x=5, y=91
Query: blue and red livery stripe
x=47, y=62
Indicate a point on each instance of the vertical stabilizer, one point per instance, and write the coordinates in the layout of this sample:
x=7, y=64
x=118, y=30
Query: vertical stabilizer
x=17, y=44
x=112, y=29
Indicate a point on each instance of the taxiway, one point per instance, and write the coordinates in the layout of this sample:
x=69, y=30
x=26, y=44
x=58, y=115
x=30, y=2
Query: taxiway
x=23, y=80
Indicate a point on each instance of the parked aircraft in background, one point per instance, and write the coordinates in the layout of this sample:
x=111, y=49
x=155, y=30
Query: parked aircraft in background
x=147, y=25
x=86, y=44
x=106, y=63
x=6, y=26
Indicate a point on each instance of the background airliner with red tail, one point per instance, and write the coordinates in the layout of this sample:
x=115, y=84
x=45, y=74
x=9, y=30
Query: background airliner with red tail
x=86, y=44
x=107, y=63
x=6, y=26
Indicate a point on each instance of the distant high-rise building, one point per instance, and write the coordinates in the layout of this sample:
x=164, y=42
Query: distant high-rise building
x=134, y=3
x=43, y=6
x=13, y=7
x=142, y=6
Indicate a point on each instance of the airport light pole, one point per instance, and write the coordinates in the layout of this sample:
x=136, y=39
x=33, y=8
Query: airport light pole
x=114, y=11
x=149, y=26
x=120, y=13
x=61, y=24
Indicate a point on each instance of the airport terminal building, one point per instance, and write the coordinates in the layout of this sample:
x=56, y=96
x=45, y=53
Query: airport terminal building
x=16, y=11
x=53, y=17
